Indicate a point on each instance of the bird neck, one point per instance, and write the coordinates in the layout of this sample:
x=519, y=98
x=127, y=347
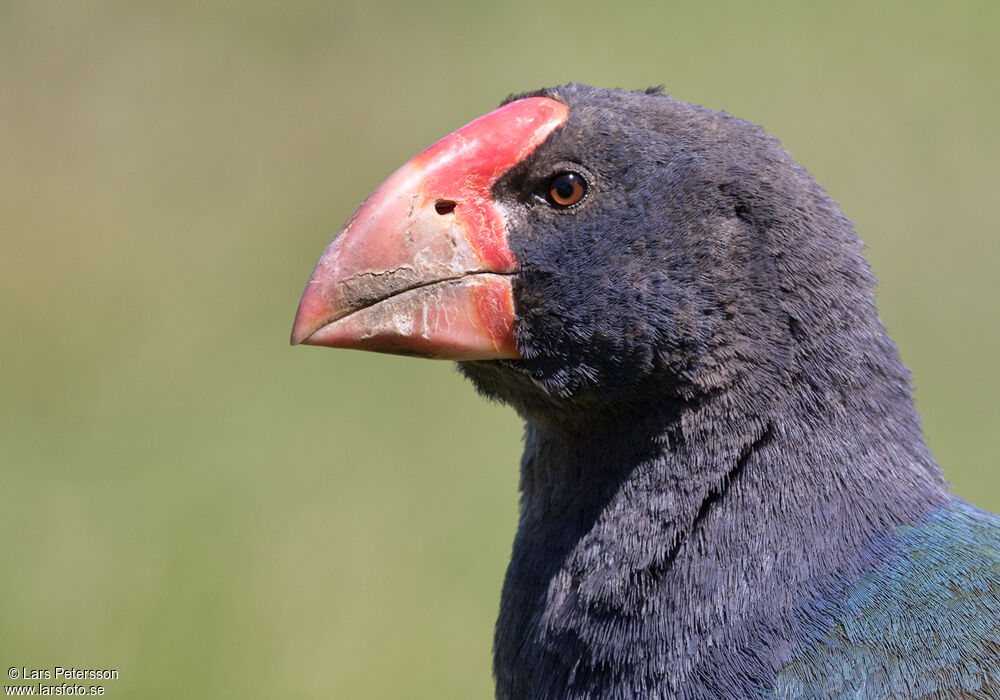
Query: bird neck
x=656, y=544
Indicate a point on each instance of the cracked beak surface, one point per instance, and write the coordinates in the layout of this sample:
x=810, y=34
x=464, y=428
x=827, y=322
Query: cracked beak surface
x=423, y=266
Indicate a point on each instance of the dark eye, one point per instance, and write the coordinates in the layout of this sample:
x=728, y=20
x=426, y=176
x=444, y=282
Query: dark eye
x=566, y=189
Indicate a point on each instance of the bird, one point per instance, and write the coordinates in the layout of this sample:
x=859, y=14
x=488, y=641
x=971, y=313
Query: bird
x=725, y=491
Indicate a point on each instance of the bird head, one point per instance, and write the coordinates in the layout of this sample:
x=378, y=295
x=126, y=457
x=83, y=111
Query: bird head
x=581, y=249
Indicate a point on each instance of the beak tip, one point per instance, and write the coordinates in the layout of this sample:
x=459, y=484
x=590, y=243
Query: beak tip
x=300, y=334
x=301, y=330
x=311, y=315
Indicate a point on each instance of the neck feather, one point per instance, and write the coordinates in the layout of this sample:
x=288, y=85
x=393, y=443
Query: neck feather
x=665, y=548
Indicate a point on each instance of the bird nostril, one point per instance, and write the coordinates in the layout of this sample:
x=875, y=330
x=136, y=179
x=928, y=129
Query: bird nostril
x=445, y=206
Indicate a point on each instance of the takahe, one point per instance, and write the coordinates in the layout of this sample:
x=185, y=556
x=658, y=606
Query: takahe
x=725, y=488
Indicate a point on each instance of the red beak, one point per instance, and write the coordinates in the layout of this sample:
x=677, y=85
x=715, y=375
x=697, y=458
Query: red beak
x=423, y=266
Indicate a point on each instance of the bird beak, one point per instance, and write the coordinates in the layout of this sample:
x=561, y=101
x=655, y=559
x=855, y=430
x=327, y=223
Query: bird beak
x=423, y=266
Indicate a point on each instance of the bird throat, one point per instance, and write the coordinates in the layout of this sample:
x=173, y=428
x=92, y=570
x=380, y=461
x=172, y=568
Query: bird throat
x=660, y=553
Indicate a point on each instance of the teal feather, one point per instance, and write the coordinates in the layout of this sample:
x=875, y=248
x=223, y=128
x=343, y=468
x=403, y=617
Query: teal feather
x=924, y=625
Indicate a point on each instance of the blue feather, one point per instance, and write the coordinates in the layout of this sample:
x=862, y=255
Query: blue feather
x=924, y=624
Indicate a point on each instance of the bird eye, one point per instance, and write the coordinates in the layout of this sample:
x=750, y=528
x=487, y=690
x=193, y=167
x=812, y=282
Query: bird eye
x=566, y=189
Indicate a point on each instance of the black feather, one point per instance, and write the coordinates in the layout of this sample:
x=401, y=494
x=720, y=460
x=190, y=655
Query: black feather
x=721, y=444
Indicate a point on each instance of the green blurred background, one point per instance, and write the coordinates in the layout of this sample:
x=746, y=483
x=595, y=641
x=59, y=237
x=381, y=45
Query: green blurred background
x=192, y=502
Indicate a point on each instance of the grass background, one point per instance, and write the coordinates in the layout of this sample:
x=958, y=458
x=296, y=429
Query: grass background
x=192, y=502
